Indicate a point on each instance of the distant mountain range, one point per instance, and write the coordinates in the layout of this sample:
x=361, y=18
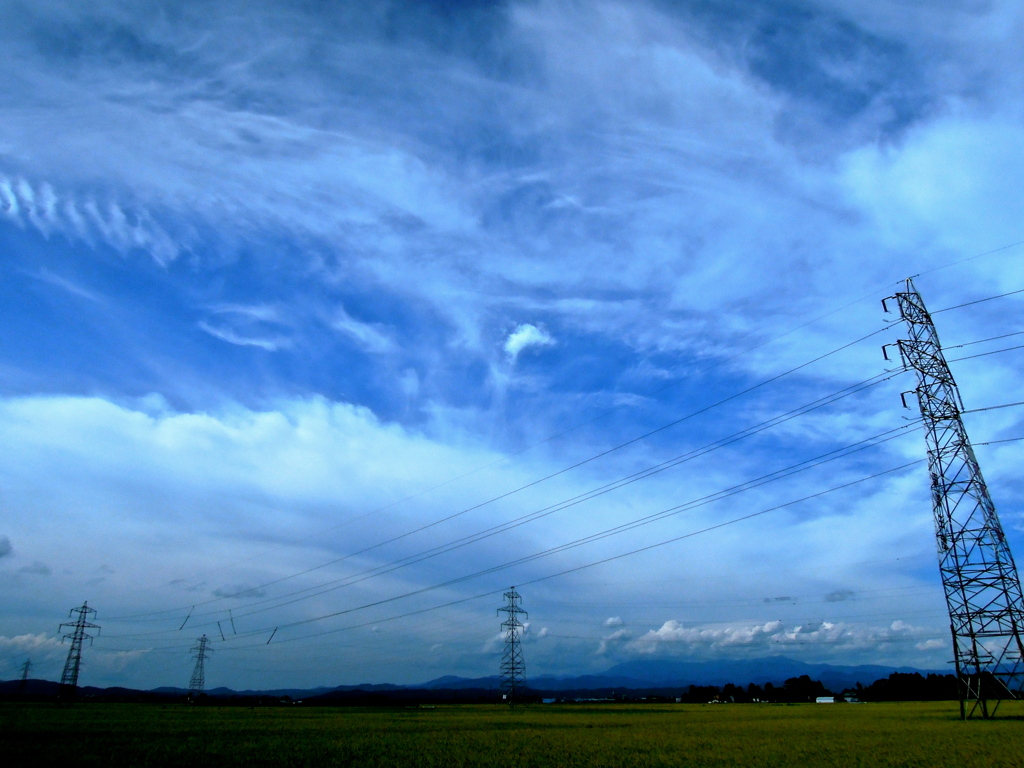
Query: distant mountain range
x=640, y=675
x=666, y=673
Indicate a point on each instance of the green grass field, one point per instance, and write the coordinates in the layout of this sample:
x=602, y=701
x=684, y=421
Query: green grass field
x=926, y=735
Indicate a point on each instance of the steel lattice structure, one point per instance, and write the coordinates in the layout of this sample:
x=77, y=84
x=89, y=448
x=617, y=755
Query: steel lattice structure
x=23, y=685
x=513, y=669
x=983, y=593
x=78, y=636
x=198, y=681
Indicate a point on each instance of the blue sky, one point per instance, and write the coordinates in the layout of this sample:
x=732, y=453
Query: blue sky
x=284, y=281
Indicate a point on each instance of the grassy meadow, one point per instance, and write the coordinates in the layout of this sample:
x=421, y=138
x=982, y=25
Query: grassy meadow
x=928, y=735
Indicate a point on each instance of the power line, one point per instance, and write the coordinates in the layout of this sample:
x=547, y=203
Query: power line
x=599, y=416
x=574, y=569
x=820, y=643
x=1007, y=440
x=615, y=409
x=805, y=599
x=822, y=398
x=985, y=354
x=992, y=408
x=982, y=341
x=533, y=483
x=176, y=647
x=604, y=534
x=726, y=523
x=585, y=566
x=587, y=496
x=969, y=258
x=978, y=301
x=949, y=308
x=968, y=303
x=802, y=466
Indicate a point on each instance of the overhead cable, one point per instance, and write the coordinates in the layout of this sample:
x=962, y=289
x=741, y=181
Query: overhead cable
x=978, y=301
x=992, y=408
x=982, y=341
x=573, y=501
x=536, y=482
x=491, y=593
x=646, y=520
x=985, y=354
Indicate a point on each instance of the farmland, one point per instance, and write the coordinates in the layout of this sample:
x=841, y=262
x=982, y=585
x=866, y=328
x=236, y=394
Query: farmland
x=906, y=734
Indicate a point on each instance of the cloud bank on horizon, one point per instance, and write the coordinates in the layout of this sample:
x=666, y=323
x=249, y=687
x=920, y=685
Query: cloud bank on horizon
x=304, y=305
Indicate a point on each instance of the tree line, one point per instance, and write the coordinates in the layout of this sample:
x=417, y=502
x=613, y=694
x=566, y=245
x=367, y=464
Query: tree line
x=897, y=687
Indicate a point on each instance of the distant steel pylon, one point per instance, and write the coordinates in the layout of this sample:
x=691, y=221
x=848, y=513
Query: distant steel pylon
x=198, y=681
x=513, y=670
x=983, y=594
x=77, y=635
x=23, y=686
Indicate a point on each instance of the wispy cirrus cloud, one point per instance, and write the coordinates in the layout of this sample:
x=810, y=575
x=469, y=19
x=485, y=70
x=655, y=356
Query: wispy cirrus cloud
x=368, y=335
x=247, y=326
x=85, y=219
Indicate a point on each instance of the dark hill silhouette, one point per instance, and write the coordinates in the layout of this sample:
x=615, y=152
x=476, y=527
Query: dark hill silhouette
x=654, y=677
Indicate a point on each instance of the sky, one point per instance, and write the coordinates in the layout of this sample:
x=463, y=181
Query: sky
x=323, y=324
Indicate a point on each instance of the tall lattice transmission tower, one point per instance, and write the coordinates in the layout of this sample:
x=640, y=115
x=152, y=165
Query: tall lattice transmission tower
x=513, y=670
x=23, y=685
x=77, y=636
x=198, y=681
x=983, y=593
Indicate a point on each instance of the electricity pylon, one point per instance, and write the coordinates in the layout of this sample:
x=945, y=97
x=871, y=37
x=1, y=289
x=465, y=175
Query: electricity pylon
x=983, y=594
x=198, y=681
x=513, y=669
x=23, y=685
x=77, y=635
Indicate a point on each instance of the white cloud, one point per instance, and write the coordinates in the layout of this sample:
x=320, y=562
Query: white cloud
x=84, y=219
x=526, y=335
x=38, y=647
x=247, y=326
x=674, y=633
x=113, y=662
x=309, y=482
x=69, y=286
x=675, y=638
x=233, y=337
x=613, y=621
x=955, y=181
x=493, y=644
x=613, y=641
x=9, y=197
x=367, y=335
x=309, y=441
